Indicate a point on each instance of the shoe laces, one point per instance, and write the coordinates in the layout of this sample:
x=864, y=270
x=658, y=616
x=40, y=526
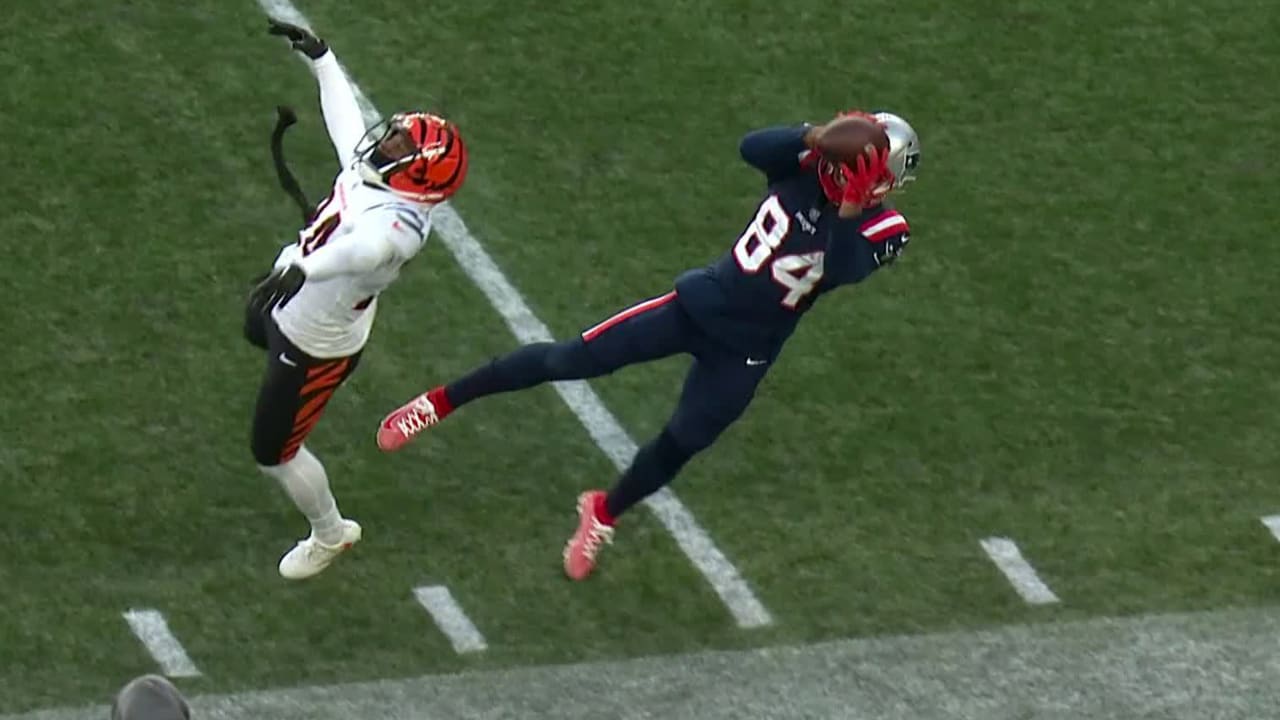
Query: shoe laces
x=421, y=415
x=317, y=550
x=422, y=405
x=597, y=536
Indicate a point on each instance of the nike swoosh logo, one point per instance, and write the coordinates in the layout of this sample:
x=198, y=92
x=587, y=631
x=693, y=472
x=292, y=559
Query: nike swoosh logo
x=285, y=359
x=753, y=361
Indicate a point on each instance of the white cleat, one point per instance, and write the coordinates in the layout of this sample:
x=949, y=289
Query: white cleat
x=310, y=556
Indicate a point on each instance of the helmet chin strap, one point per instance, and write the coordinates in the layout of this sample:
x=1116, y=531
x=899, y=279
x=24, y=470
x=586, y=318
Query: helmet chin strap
x=376, y=164
x=369, y=172
x=373, y=175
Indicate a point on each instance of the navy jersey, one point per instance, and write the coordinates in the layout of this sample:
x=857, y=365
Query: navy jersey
x=793, y=251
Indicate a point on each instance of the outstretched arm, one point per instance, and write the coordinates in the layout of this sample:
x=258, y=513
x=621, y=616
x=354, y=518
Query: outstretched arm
x=342, y=116
x=778, y=151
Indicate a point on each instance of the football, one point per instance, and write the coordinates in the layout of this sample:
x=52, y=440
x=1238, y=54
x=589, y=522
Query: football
x=845, y=138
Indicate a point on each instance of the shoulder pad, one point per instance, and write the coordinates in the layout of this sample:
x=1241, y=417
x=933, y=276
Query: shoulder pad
x=883, y=225
x=404, y=217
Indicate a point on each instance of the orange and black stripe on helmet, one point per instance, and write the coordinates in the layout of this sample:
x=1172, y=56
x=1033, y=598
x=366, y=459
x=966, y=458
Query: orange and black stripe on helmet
x=416, y=155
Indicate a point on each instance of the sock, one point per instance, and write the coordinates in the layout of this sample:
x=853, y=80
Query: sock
x=602, y=511
x=655, y=465
x=306, y=483
x=440, y=400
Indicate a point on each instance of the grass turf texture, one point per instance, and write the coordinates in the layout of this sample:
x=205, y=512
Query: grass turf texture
x=1077, y=351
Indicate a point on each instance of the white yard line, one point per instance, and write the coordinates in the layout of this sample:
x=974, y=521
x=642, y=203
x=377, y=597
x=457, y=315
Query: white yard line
x=152, y=629
x=450, y=618
x=603, y=427
x=1273, y=524
x=1193, y=666
x=1005, y=554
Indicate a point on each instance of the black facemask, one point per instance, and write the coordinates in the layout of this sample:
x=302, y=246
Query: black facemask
x=377, y=158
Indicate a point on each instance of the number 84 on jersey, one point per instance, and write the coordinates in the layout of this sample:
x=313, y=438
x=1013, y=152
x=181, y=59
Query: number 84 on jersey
x=797, y=273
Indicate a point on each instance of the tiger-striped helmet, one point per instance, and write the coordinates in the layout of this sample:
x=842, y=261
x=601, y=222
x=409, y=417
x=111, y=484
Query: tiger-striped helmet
x=416, y=155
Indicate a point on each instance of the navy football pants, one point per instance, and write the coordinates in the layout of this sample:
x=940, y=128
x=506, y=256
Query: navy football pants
x=717, y=389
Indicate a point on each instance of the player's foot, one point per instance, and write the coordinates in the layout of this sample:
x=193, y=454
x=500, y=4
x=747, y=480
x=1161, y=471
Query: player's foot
x=592, y=534
x=409, y=419
x=310, y=556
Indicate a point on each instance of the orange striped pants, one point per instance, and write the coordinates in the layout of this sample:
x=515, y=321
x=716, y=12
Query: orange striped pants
x=294, y=392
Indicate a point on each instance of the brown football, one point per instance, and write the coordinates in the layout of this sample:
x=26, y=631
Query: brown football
x=845, y=138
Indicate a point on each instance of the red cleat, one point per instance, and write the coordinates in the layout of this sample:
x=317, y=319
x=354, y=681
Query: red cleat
x=408, y=420
x=593, y=533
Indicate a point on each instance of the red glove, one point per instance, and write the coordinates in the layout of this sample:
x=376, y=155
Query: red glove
x=859, y=113
x=868, y=181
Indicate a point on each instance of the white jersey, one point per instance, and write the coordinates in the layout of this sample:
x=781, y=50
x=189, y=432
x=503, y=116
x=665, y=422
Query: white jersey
x=358, y=239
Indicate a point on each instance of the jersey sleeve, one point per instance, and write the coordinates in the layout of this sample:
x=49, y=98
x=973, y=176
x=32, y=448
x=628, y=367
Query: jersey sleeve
x=406, y=230
x=342, y=116
x=778, y=152
x=384, y=234
x=352, y=254
x=860, y=246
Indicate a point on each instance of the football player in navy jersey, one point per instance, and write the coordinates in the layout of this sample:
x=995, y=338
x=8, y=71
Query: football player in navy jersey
x=822, y=223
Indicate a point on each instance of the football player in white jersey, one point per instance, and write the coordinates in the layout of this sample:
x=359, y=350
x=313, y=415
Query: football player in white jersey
x=314, y=311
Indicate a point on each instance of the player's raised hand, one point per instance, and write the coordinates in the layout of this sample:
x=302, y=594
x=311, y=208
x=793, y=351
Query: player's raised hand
x=866, y=182
x=302, y=39
x=277, y=289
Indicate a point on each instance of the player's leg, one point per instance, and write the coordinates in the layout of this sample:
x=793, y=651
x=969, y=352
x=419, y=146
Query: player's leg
x=717, y=390
x=150, y=697
x=649, y=330
x=645, y=331
x=291, y=400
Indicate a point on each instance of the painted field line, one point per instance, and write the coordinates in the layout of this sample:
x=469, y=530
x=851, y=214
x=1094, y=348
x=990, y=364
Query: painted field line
x=1273, y=524
x=450, y=618
x=152, y=629
x=603, y=427
x=1008, y=558
x=1220, y=665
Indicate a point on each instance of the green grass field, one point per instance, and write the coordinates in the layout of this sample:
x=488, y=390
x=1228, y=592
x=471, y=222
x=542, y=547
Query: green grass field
x=1078, y=351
